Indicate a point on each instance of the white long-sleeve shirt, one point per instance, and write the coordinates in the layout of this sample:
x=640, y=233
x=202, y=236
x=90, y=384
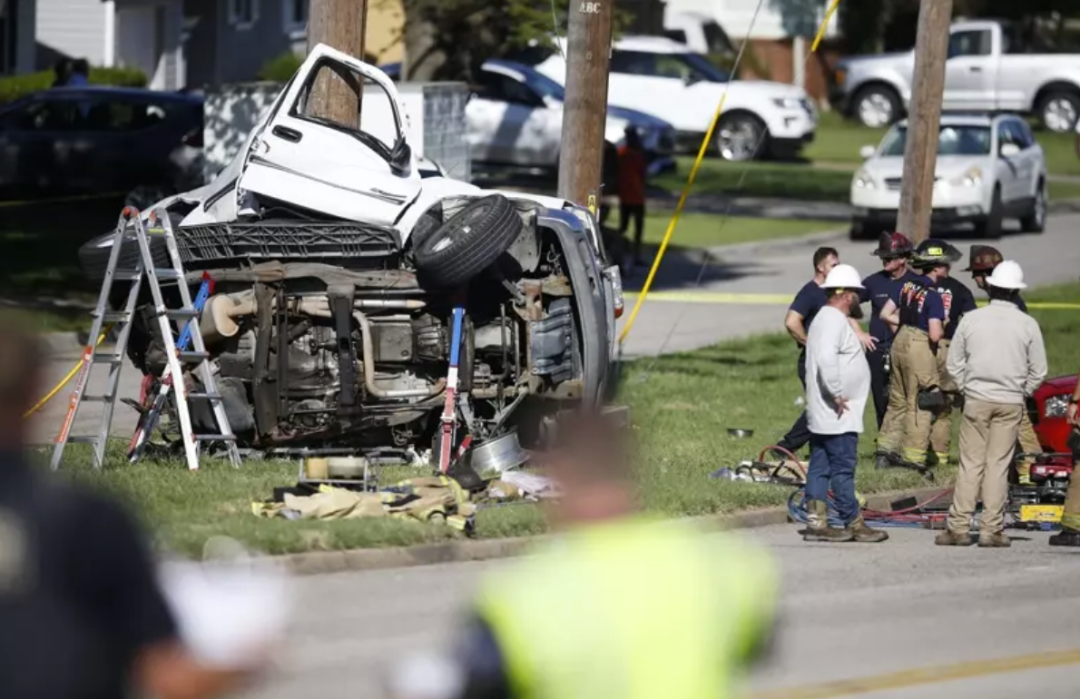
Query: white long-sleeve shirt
x=835, y=367
x=997, y=354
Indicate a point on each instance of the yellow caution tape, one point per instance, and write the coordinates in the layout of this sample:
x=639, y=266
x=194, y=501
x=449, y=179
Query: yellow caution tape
x=63, y=382
x=690, y=184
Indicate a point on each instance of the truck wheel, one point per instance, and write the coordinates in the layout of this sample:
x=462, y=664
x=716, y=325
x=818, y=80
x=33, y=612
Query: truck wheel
x=1035, y=221
x=990, y=227
x=1059, y=110
x=468, y=243
x=740, y=137
x=877, y=106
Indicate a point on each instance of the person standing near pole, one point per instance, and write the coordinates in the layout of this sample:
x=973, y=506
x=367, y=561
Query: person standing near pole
x=837, y=389
x=894, y=249
x=920, y=316
x=984, y=259
x=632, y=169
x=997, y=360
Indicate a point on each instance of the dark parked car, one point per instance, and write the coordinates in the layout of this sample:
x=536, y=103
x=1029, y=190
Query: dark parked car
x=94, y=140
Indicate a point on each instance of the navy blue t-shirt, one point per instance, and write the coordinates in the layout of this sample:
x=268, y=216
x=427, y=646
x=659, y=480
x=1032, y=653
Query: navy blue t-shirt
x=920, y=293
x=880, y=289
x=810, y=299
x=958, y=300
x=1021, y=305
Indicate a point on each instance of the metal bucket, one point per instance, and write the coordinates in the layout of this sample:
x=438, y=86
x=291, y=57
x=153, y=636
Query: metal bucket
x=499, y=454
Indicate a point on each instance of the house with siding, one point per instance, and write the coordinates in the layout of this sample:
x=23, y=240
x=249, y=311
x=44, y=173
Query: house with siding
x=177, y=43
x=17, y=36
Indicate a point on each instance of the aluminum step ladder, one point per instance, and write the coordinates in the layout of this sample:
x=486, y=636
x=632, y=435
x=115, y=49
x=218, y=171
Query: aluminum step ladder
x=130, y=229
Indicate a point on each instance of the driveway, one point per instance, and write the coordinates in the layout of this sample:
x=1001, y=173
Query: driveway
x=849, y=611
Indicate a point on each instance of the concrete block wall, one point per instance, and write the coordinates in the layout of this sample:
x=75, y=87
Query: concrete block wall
x=445, y=128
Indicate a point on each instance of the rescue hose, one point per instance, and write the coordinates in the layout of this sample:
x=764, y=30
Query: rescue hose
x=910, y=517
x=64, y=381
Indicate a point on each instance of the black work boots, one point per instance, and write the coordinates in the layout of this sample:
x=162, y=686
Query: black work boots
x=1066, y=537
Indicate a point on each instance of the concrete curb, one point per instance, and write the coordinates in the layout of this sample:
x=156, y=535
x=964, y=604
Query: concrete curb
x=326, y=562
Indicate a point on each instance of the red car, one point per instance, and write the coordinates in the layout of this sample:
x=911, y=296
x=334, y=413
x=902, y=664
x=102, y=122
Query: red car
x=1047, y=410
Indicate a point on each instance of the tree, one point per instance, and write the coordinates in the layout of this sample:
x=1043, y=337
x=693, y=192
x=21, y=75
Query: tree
x=450, y=39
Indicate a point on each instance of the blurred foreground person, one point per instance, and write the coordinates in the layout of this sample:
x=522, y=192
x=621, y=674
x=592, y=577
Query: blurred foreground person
x=83, y=616
x=618, y=607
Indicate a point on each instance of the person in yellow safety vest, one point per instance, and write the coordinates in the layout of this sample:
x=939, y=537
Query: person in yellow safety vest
x=617, y=607
x=1070, y=518
x=984, y=259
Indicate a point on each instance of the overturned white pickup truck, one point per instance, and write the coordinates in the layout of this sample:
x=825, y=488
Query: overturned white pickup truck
x=336, y=267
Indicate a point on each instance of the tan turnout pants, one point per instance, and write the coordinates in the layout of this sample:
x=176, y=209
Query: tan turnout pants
x=988, y=437
x=906, y=429
x=941, y=432
x=1029, y=444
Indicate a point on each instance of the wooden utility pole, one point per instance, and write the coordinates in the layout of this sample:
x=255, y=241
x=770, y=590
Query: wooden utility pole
x=588, y=50
x=924, y=119
x=340, y=24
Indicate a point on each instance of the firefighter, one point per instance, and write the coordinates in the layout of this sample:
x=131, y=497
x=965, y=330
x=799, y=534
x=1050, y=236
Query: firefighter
x=983, y=261
x=895, y=250
x=958, y=300
x=914, y=384
x=1070, y=519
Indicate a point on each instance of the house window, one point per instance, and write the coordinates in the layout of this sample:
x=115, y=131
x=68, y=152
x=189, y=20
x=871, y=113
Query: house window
x=243, y=13
x=295, y=13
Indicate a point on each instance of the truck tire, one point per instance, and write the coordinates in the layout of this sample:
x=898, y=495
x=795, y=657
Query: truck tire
x=468, y=243
x=1035, y=221
x=1059, y=110
x=877, y=106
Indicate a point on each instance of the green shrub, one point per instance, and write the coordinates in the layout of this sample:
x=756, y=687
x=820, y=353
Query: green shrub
x=16, y=86
x=280, y=69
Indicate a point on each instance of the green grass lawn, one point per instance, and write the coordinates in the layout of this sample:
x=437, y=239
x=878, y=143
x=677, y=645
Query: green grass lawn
x=761, y=179
x=681, y=407
x=830, y=163
x=800, y=181
x=839, y=141
x=700, y=230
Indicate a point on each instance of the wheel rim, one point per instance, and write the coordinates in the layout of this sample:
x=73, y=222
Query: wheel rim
x=1040, y=207
x=875, y=110
x=1060, y=115
x=738, y=140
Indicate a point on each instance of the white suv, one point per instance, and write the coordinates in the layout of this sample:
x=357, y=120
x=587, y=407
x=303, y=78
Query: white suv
x=662, y=77
x=988, y=168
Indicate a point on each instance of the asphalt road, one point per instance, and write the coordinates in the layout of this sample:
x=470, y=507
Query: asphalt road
x=739, y=290
x=903, y=614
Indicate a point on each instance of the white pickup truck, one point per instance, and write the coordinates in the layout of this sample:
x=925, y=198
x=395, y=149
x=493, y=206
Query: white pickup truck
x=990, y=68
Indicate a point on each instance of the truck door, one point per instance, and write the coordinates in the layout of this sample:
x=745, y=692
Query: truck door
x=971, y=71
